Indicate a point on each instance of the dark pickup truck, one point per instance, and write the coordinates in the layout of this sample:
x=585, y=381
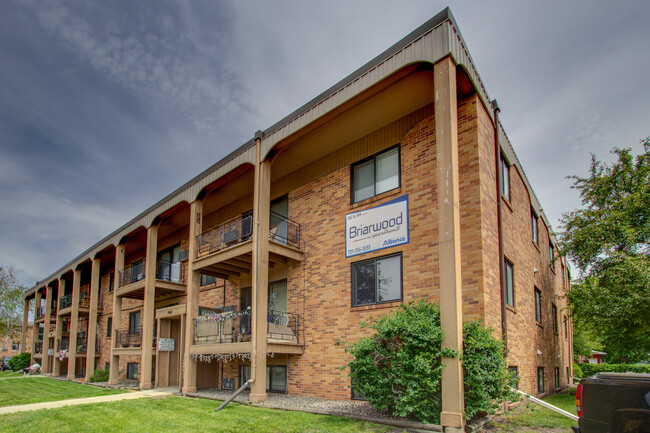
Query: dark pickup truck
x=614, y=403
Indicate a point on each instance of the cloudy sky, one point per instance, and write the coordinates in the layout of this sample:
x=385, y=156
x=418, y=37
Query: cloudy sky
x=106, y=107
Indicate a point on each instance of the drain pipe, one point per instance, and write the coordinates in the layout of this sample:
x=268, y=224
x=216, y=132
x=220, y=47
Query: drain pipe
x=497, y=164
x=235, y=394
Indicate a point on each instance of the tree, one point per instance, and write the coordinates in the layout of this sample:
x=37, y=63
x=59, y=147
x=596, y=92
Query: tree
x=609, y=240
x=399, y=368
x=11, y=305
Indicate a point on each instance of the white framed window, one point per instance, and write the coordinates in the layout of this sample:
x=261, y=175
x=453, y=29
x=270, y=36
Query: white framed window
x=533, y=226
x=375, y=175
x=538, y=306
x=377, y=280
x=505, y=178
x=509, y=282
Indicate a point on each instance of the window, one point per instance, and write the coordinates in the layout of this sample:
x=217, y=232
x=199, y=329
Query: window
x=550, y=253
x=533, y=226
x=509, y=283
x=540, y=380
x=111, y=281
x=505, y=178
x=557, y=377
x=554, y=317
x=134, y=322
x=563, y=275
x=109, y=328
x=566, y=328
x=276, y=377
x=207, y=280
x=513, y=371
x=107, y=366
x=538, y=306
x=168, y=265
x=132, y=370
x=375, y=175
x=568, y=379
x=377, y=280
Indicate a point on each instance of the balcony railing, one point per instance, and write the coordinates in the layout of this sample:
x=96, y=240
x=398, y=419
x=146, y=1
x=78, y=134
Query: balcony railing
x=132, y=273
x=65, y=301
x=284, y=230
x=226, y=235
x=234, y=327
x=173, y=272
x=63, y=344
x=84, y=299
x=38, y=347
x=40, y=312
x=129, y=338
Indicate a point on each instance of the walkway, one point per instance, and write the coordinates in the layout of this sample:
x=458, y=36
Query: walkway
x=159, y=392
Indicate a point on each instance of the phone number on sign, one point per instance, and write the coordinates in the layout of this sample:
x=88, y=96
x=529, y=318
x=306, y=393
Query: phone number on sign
x=358, y=250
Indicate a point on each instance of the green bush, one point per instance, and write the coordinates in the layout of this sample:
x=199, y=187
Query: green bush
x=399, y=368
x=99, y=376
x=591, y=369
x=18, y=362
x=577, y=371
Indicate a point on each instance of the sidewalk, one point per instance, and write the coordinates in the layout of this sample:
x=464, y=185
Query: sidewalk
x=160, y=392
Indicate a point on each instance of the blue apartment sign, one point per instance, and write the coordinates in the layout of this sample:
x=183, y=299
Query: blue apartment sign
x=383, y=226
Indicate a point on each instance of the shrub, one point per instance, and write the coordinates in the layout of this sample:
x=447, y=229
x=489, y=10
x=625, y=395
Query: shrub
x=18, y=362
x=399, y=368
x=99, y=376
x=591, y=369
x=577, y=371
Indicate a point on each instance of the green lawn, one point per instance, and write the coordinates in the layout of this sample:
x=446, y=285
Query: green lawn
x=531, y=416
x=39, y=389
x=176, y=414
x=9, y=374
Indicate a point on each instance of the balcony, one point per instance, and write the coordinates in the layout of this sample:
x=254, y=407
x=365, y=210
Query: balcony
x=284, y=230
x=38, y=347
x=65, y=301
x=130, y=338
x=40, y=312
x=225, y=236
x=233, y=329
x=84, y=299
x=173, y=272
x=131, y=274
x=63, y=344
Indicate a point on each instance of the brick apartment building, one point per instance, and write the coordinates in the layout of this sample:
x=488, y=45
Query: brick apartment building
x=258, y=265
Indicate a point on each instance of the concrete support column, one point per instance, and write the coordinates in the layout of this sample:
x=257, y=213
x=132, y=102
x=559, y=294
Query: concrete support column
x=37, y=304
x=45, y=365
x=92, y=318
x=192, y=310
x=453, y=398
x=148, y=307
x=74, y=324
x=113, y=374
x=23, y=337
x=260, y=276
x=58, y=333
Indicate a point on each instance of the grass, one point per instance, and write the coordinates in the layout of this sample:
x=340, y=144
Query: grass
x=531, y=416
x=9, y=373
x=176, y=414
x=40, y=389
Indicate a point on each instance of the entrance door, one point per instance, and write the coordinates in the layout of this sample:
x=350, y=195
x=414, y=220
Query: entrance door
x=169, y=365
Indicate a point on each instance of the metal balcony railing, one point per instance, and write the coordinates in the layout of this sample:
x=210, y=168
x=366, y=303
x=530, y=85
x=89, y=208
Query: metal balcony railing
x=284, y=230
x=38, y=347
x=63, y=344
x=226, y=235
x=82, y=344
x=132, y=273
x=129, y=338
x=65, y=301
x=173, y=272
x=84, y=299
x=234, y=327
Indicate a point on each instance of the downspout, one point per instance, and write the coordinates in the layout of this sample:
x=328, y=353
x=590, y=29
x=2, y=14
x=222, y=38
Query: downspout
x=497, y=164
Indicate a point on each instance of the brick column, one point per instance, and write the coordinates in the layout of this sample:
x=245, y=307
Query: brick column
x=58, y=333
x=453, y=398
x=74, y=324
x=23, y=337
x=45, y=365
x=260, y=276
x=114, y=371
x=37, y=305
x=148, y=307
x=92, y=318
x=193, y=283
